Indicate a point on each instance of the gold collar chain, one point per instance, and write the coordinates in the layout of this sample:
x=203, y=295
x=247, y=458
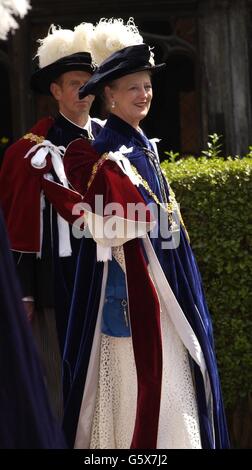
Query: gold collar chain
x=169, y=207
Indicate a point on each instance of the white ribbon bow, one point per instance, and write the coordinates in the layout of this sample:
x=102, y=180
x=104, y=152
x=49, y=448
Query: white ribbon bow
x=124, y=163
x=39, y=159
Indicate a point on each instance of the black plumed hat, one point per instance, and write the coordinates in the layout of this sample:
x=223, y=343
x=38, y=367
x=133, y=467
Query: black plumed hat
x=125, y=61
x=62, y=50
x=42, y=78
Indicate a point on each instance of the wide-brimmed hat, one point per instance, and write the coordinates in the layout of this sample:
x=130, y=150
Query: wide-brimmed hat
x=61, y=51
x=42, y=78
x=125, y=61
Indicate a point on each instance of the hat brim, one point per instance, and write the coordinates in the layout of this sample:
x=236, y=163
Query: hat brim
x=97, y=82
x=42, y=78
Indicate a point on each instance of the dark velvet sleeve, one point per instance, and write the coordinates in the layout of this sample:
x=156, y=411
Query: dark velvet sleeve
x=25, y=266
x=26, y=419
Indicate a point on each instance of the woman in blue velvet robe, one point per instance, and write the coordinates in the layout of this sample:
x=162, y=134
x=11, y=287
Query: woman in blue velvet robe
x=125, y=79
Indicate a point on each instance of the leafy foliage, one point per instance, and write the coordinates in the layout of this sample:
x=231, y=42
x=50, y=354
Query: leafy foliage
x=213, y=146
x=215, y=197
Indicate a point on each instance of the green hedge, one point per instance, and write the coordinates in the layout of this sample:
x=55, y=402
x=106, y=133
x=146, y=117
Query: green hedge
x=216, y=203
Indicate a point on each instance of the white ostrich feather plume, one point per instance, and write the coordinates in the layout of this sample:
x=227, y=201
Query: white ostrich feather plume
x=8, y=10
x=82, y=33
x=111, y=35
x=63, y=42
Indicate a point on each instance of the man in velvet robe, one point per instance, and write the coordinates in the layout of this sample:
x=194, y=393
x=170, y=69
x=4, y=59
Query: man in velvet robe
x=43, y=246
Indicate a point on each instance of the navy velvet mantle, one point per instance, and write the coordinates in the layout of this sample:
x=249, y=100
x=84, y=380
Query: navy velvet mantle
x=181, y=270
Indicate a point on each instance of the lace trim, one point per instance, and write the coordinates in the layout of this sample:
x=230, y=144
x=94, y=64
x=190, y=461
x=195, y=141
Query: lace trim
x=118, y=254
x=115, y=409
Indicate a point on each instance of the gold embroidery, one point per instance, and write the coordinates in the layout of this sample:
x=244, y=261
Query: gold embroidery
x=96, y=168
x=34, y=138
x=169, y=207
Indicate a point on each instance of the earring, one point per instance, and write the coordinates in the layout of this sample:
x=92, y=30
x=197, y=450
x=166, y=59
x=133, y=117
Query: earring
x=113, y=104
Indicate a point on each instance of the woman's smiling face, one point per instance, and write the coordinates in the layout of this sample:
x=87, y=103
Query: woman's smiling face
x=130, y=97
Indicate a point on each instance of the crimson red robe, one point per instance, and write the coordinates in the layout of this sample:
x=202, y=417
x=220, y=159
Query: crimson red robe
x=20, y=184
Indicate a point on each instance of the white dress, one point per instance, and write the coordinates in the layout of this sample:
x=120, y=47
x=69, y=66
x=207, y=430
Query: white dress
x=115, y=408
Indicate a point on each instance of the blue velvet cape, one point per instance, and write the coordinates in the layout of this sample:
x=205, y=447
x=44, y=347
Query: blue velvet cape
x=182, y=273
x=26, y=420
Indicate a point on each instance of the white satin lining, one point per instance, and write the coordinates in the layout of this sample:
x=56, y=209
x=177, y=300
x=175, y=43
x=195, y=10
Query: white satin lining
x=103, y=232
x=177, y=316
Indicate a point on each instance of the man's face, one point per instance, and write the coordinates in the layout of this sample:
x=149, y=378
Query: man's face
x=65, y=91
